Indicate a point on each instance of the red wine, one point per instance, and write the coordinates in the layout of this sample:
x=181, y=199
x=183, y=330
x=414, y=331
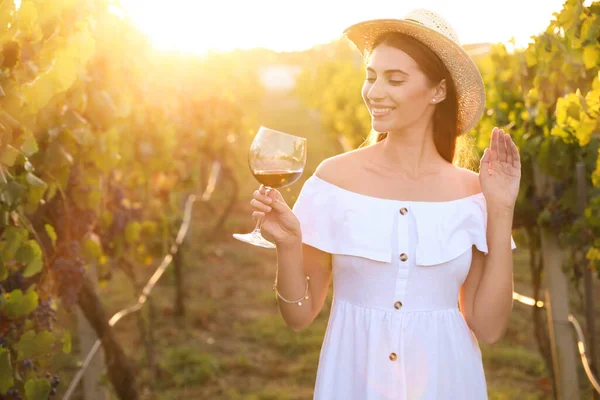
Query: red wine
x=277, y=179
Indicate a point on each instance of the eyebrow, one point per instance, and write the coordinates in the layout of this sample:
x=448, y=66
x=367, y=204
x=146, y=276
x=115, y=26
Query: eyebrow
x=389, y=71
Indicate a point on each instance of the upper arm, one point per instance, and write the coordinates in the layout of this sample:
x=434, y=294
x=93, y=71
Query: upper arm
x=318, y=263
x=470, y=285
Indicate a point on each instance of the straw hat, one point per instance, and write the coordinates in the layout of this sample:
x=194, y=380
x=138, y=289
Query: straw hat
x=432, y=30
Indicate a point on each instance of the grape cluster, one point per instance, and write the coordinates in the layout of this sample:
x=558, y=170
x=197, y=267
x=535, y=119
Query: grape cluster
x=44, y=315
x=15, y=281
x=54, y=381
x=11, y=394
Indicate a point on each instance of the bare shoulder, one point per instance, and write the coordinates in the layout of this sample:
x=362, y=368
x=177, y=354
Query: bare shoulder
x=469, y=178
x=340, y=168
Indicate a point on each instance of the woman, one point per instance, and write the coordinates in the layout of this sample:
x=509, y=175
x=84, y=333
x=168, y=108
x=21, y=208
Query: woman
x=419, y=248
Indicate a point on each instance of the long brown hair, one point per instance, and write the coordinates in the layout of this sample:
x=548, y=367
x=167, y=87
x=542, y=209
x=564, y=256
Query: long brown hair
x=445, y=116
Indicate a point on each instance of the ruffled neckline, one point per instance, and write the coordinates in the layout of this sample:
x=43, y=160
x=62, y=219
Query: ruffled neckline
x=396, y=201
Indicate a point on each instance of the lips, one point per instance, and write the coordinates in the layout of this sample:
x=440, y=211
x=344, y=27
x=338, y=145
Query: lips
x=381, y=111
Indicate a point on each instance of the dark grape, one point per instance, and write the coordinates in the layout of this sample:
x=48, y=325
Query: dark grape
x=44, y=315
x=11, y=394
x=27, y=364
x=15, y=281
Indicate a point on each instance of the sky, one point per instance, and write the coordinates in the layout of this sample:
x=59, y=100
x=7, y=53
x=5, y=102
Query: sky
x=196, y=26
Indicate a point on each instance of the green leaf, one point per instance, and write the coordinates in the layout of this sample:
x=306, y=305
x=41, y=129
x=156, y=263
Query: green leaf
x=3, y=271
x=28, y=251
x=33, y=268
x=6, y=376
x=9, y=155
x=37, y=389
x=66, y=342
x=35, y=181
x=132, y=232
x=590, y=28
x=586, y=127
x=33, y=345
x=531, y=57
x=591, y=55
x=92, y=248
x=29, y=146
x=31, y=255
x=17, y=305
x=13, y=193
x=51, y=233
x=13, y=237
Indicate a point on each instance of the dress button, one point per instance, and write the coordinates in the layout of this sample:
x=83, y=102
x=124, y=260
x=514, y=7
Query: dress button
x=398, y=305
x=403, y=257
x=403, y=210
x=393, y=356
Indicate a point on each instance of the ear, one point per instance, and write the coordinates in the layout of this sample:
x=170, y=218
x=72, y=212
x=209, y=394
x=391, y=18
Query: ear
x=439, y=92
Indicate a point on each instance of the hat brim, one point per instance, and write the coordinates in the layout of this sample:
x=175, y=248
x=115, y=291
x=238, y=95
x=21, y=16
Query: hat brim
x=467, y=79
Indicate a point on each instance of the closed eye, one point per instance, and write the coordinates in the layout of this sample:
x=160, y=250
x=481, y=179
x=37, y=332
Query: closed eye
x=391, y=81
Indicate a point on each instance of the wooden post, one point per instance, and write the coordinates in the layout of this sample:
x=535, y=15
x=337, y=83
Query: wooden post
x=179, y=282
x=92, y=387
x=562, y=342
x=588, y=280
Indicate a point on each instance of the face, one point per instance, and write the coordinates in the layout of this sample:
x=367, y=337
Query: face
x=396, y=92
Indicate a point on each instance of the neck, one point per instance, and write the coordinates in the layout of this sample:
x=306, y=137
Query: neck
x=409, y=153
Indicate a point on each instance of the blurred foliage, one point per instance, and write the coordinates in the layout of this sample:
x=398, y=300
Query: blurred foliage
x=101, y=141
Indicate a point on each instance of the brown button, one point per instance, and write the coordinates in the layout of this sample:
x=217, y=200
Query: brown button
x=393, y=356
x=403, y=210
x=398, y=305
x=403, y=257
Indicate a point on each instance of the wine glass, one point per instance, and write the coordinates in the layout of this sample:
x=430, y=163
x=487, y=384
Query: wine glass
x=276, y=159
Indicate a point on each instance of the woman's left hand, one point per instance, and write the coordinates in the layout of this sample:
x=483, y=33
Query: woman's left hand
x=500, y=171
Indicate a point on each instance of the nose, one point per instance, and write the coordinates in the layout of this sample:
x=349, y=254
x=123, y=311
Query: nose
x=376, y=92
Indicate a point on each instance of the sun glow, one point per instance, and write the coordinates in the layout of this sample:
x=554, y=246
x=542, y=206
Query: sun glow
x=194, y=26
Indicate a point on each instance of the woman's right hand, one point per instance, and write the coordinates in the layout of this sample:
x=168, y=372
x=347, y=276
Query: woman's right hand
x=279, y=221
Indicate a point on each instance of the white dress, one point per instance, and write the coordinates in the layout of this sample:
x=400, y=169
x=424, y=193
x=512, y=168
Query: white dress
x=395, y=330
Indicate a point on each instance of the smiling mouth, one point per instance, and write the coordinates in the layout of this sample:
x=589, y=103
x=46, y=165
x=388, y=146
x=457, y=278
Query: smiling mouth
x=381, y=111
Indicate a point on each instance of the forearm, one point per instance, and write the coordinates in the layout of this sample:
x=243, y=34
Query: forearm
x=291, y=284
x=493, y=300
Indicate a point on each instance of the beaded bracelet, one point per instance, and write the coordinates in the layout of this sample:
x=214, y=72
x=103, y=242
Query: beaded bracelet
x=299, y=301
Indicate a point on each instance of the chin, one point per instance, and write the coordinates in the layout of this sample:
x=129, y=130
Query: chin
x=380, y=126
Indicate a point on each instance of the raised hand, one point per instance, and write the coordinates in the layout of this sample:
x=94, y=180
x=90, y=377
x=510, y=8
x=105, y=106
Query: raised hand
x=500, y=171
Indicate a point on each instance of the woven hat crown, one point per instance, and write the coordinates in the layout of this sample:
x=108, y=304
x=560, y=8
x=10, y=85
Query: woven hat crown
x=433, y=21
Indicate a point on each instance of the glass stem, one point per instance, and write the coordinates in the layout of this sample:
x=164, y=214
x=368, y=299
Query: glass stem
x=260, y=220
